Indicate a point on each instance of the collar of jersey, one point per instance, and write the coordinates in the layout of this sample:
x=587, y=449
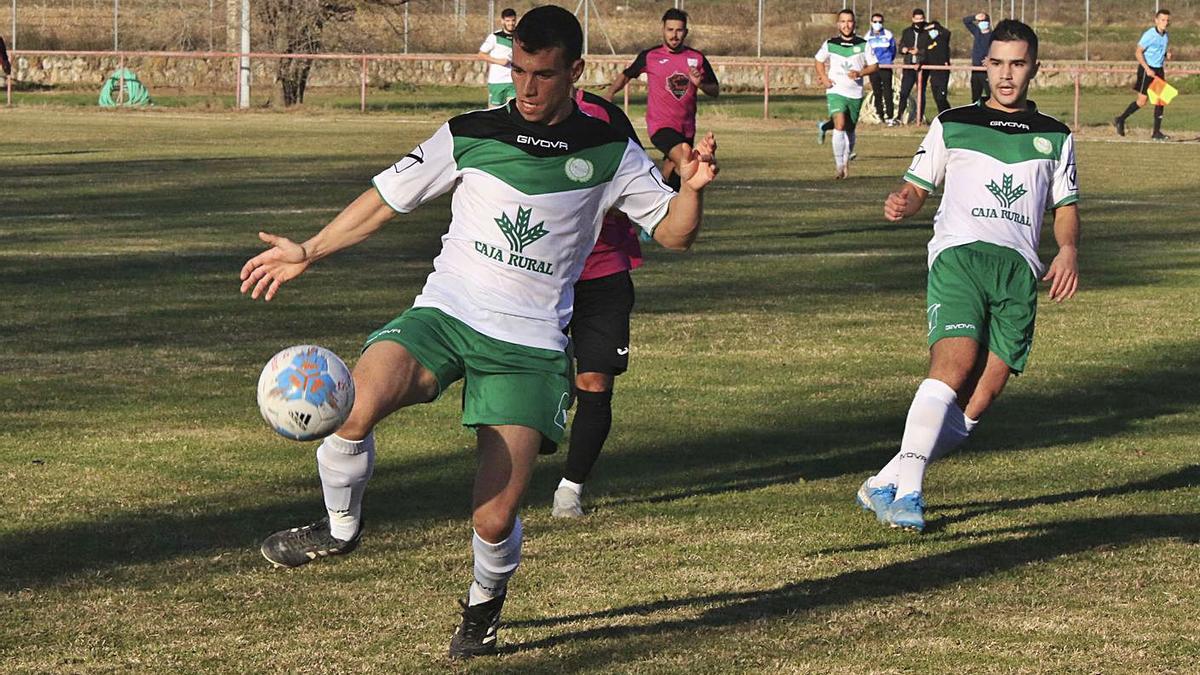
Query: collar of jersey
x=1030, y=110
x=554, y=129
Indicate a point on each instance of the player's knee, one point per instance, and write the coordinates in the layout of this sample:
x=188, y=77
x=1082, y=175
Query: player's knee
x=594, y=382
x=494, y=522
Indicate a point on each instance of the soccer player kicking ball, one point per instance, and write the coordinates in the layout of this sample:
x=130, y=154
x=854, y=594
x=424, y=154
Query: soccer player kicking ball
x=531, y=183
x=1002, y=163
x=842, y=62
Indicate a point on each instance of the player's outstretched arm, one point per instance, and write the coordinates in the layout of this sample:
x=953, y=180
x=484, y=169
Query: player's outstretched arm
x=904, y=202
x=679, y=228
x=1063, y=274
x=617, y=85
x=285, y=259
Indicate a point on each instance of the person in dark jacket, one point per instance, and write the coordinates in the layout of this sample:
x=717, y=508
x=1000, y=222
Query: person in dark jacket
x=913, y=43
x=980, y=26
x=4, y=62
x=937, y=53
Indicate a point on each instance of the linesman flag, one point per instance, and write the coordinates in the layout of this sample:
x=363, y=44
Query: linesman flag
x=1161, y=93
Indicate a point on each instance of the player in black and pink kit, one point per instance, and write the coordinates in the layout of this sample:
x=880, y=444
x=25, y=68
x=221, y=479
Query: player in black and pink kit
x=599, y=329
x=674, y=72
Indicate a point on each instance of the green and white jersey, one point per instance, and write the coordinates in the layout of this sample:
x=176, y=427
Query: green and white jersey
x=844, y=55
x=500, y=46
x=528, y=203
x=1001, y=172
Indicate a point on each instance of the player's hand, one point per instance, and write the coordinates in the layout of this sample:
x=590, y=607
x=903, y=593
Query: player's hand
x=701, y=166
x=1150, y=73
x=695, y=76
x=826, y=82
x=283, y=261
x=854, y=74
x=895, y=207
x=1063, y=274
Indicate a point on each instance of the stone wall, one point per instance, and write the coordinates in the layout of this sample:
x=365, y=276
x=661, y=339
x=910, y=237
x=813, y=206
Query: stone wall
x=218, y=74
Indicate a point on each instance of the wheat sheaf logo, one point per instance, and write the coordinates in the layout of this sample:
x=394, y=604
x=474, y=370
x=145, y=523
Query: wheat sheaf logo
x=1005, y=193
x=520, y=234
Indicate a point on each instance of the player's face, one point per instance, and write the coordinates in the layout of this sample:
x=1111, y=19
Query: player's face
x=544, y=83
x=674, y=31
x=509, y=23
x=1162, y=21
x=918, y=19
x=1010, y=68
x=846, y=24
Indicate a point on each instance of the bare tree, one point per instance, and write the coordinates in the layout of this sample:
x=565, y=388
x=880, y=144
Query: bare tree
x=296, y=27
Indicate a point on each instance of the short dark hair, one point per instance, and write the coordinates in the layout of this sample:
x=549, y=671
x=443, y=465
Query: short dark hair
x=917, y=11
x=551, y=26
x=674, y=14
x=847, y=11
x=1162, y=11
x=877, y=14
x=1011, y=30
x=507, y=12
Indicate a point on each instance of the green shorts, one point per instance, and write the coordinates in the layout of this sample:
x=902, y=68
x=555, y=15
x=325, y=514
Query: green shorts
x=503, y=383
x=842, y=104
x=501, y=93
x=987, y=293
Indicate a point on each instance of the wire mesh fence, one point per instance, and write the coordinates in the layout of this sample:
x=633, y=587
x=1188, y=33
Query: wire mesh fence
x=1072, y=29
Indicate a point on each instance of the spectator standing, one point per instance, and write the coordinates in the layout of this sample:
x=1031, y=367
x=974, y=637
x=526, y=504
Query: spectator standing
x=4, y=62
x=913, y=42
x=1151, y=54
x=980, y=27
x=937, y=53
x=883, y=42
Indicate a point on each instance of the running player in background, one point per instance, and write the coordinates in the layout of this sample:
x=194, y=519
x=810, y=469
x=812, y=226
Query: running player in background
x=842, y=62
x=674, y=73
x=497, y=51
x=1001, y=164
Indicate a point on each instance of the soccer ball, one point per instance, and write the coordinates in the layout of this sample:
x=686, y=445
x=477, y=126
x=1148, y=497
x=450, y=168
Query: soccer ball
x=305, y=392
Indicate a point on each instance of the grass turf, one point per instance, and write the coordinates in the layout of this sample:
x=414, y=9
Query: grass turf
x=771, y=371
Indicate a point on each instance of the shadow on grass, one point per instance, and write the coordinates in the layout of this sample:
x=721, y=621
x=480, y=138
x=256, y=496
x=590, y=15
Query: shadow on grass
x=1026, y=545
x=696, y=465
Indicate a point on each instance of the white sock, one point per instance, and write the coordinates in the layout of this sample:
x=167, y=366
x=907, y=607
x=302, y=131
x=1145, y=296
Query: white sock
x=840, y=152
x=494, y=565
x=926, y=417
x=577, y=488
x=345, y=467
x=956, y=430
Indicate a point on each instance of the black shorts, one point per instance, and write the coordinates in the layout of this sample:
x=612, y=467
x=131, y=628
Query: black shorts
x=1142, y=85
x=600, y=325
x=665, y=139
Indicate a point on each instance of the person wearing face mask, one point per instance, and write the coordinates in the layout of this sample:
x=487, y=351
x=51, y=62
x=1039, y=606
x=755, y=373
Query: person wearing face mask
x=913, y=43
x=980, y=26
x=883, y=43
x=937, y=53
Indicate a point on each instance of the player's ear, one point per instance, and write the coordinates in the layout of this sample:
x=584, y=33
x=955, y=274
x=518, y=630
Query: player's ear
x=576, y=70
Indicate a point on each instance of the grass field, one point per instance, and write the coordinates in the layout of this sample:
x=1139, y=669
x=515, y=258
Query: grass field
x=771, y=371
x=1098, y=105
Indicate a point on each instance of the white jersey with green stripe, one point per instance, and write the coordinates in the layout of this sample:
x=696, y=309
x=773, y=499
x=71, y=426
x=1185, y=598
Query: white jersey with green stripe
x=498, y=45
x=1001, y=172
x=529, y=200
x=844, y=54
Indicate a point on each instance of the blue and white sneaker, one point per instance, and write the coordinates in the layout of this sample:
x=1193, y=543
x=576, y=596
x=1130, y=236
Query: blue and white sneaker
x=821, y=133
x=876, y=499
x=908, y=512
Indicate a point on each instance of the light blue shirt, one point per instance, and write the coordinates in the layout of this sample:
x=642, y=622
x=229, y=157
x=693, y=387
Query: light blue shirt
x=1155, y=44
